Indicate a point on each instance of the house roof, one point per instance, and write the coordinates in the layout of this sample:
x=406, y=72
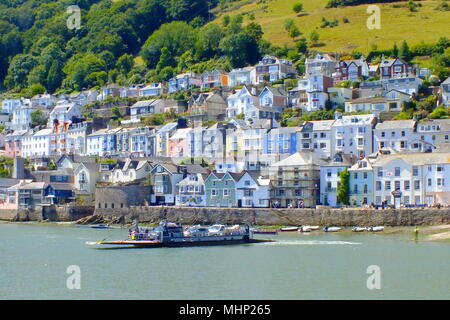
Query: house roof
x=146, y=103
x=369, y=100
x=395, y=124
x=416, y=158
x=300, y=159
x=446, y=81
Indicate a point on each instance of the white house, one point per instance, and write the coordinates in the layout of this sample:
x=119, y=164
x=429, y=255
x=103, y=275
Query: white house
x=353, y=134
x=445, y=92
x=37, y=144
x=395, y=134
x=330, y=177
x=9, y=105
x=242, y=76
x=253, y=190
x=239, y=102
x=421, y=178
x=321, y=64
x=145, y=108
x=63, y=112
x=153, y=89
x=315, y=87
x=316, y=136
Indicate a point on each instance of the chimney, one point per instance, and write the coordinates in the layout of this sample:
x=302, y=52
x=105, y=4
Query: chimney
x=19, y=168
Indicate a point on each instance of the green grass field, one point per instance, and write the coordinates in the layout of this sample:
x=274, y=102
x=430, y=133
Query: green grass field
x=397, y=24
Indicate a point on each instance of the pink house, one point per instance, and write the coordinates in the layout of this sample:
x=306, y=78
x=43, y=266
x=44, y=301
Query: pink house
x=13, y=144
x=178, y=143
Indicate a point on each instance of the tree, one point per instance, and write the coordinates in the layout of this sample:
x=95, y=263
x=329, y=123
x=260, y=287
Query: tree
x=395, y=50
x=38, y=118
x=241, y=48
x=344, y=185
x=36, y=88
x=176, y=36
x=125, y=63
x=297, y=7
x=314, y=37
x=404, y=51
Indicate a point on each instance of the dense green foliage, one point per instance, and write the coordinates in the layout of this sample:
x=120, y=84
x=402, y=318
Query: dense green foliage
x=37, y=47
x=343, y=188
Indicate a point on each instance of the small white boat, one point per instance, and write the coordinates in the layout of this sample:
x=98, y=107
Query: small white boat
x=376, y=229
x=314, y=228
x=287, y=229
x=359, y=229
x=305, y=229
x=331, y=229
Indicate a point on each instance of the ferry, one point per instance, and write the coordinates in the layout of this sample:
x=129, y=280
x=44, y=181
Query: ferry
x=170, y=234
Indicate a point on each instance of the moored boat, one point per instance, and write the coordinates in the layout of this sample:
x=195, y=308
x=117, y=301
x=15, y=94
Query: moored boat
x=305, y=229
x=359, y=229
x=375, y=229
x=331, y=229
x=264, y=231
x=289, y=229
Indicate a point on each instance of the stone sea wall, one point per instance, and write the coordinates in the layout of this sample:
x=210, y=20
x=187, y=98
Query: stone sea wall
x=268, y=216
x=255, y=216
x=50, y=213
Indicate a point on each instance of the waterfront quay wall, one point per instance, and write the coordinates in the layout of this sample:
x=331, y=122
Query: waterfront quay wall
x=48, y=213
x=269, y=216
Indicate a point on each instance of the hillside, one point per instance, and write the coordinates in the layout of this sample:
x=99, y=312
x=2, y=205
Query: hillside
x=397, y=24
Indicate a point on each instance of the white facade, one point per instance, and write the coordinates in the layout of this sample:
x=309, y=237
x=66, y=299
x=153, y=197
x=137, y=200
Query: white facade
x=64, y=112
x=395, y=134
x=9, y=105
x=317, y=136
x=241, y=102
x=240, y=76
x=353, y=134
x=37, y=144
x=253, y=191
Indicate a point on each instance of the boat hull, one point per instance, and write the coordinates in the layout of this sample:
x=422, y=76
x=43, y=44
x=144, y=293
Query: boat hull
x=158, y=244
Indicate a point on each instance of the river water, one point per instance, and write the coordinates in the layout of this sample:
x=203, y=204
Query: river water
x=34, y=261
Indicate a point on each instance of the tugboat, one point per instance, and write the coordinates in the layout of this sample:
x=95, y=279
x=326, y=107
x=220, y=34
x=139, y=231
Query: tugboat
x=170, y=234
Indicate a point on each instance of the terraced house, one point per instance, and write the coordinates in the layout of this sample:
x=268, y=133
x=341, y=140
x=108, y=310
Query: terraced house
x=296, y=180
x=361, y=183
x=221, y=189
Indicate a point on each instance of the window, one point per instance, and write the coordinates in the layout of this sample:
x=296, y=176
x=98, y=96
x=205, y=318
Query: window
x=429, y=182
x=328, y=172
x=225, y=192
x=355, y=175
x=397, y=171
x=440, y=168
x=365, y=188
x=355, y=188
x=387, y=185
x=415, y=171
x=406, y=184
x=213, y=192
x=416, y=184
x=397, y=185
x=365, y=175
x=378, y=185
x=380, y=172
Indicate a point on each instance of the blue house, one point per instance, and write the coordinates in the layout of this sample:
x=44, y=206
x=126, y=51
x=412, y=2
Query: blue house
x=361, y=183
x=281, y=141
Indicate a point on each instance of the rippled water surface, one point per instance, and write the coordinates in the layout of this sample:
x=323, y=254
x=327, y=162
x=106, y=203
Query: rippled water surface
x=34, y=260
